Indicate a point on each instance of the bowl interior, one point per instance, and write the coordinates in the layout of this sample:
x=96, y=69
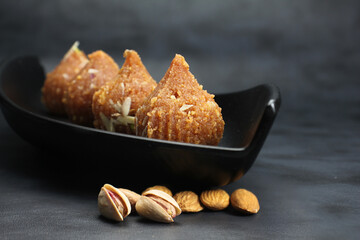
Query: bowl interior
x=242, y=111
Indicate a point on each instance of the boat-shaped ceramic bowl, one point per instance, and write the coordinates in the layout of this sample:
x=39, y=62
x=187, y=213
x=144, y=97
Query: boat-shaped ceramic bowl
x=248, y=116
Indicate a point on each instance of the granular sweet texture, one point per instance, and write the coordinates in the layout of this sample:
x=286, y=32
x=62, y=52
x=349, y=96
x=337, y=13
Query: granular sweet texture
x=78, y=98
x=180, y=110
x=115, y=103
x=56, y=82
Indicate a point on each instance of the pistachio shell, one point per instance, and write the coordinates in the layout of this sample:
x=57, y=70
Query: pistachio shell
x=106, y=204
x=131, y=195
x=148, y=208
x=161, y=188
x=164, y=196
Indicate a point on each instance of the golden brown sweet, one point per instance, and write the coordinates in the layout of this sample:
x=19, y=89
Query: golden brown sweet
x=180, y=110
x=115, y=104
x=56, y=82
x=78, y=98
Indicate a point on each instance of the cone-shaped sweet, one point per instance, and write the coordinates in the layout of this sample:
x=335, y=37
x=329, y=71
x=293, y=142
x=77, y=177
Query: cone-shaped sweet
x=180, y=110
x=78, y=98
x=56, y=82
x=115, y=103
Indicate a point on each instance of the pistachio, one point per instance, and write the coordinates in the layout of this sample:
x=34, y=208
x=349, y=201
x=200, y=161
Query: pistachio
x=113, y=204
x=161, y=188
x=132, y=196
x=157, y=206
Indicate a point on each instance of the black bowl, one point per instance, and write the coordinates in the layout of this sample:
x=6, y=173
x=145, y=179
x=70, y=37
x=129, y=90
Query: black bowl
x=248, y=117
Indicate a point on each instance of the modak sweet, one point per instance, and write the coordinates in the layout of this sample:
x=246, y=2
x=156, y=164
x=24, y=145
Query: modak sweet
x=180, y=110
x=115, y=104
x=78, y=97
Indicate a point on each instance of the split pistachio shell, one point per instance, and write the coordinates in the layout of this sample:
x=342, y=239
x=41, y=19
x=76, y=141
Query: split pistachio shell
x=113, y=204
x=158, y=206
x=165, y=196
x=159, y=187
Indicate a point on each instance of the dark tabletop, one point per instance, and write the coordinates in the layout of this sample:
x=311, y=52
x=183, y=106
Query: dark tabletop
x=306, y=177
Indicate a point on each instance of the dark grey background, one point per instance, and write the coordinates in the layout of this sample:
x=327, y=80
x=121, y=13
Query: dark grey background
x=307, y=176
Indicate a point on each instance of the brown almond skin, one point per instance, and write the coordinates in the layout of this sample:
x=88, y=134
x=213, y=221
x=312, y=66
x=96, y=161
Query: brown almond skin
x=215, y=200
x=244, y=201
x=188, y=201
x=161, y=188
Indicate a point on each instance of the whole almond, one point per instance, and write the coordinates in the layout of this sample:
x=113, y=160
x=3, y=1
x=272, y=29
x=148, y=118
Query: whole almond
x=244, y=201
x=215, y=200
x=159, y=187
x=188, y=201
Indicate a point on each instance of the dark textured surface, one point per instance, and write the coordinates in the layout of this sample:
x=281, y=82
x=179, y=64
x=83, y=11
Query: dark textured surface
x=307, y=176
